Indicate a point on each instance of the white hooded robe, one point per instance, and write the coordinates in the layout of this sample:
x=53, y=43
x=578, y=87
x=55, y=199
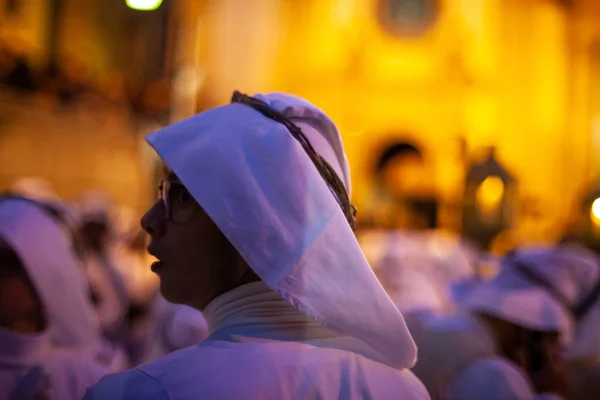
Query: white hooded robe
x=53, y=355
x=340, y=336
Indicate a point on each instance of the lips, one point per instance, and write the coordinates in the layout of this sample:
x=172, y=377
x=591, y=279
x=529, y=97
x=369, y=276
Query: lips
x=158, y=264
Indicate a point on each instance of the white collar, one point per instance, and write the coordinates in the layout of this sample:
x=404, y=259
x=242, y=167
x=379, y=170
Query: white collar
x=255, y=310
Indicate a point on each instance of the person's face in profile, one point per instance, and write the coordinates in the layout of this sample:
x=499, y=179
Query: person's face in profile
x=195, y=259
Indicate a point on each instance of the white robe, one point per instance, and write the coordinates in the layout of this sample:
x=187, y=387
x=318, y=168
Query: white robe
x=295, y=237
x=67, y=373
x=47, y=256
x=270, y=370
x=261, y=347
x=458, y=361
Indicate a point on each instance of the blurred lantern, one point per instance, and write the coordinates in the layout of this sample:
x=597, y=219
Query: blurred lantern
x=489, y=201
x=143, y=5
x=586, y=227
x=595, y=212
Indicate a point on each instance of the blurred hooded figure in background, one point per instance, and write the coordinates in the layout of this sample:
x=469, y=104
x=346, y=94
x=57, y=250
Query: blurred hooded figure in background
x=254, y=228
x=41, y=190
x=48, y=336
x=583, y=354
x=508, y=342
x=418, y=270
x=107, y=285
x=131, y=258
x=129, y=264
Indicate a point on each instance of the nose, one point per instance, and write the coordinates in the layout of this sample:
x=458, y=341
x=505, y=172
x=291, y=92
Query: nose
x=153, y=222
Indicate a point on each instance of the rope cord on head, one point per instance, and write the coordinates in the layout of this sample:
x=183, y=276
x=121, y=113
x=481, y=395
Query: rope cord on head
x=326, y=171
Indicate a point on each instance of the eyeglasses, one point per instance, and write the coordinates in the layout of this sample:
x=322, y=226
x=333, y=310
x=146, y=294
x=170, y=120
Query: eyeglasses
x=164, y=187
x=166, y=190
x=328, y=174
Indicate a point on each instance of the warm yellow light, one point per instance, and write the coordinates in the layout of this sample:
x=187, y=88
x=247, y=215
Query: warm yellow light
x=595, y=211
x=143, y=5
x=490, y=192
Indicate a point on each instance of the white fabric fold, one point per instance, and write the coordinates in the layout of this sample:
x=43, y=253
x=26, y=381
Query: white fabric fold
x=43, y=248
x=317, y=127
x=255, y=309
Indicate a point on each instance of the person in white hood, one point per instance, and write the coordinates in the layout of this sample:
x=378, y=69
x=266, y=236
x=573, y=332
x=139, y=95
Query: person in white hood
x=44, y=323
x=254, y=228
x=583, y=354
x=508, y=344
x=111, y=299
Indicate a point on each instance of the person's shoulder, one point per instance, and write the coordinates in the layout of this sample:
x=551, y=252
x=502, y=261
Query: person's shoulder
x=128, y=385
x=198, y=358
x=269, y=370
x=339, y=373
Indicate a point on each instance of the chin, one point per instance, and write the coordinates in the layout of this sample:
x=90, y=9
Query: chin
x=171, y=293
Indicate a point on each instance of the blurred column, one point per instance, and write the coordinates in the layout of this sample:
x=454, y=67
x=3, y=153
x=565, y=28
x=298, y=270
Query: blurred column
x=53, y=33
x=150, y=64
x=184, y=55
x=242, y=42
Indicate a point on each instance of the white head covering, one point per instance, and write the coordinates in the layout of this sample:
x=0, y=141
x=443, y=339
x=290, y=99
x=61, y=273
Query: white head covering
x=43, y=248
x=517, y=298
x=317, y=127
x=260, y=187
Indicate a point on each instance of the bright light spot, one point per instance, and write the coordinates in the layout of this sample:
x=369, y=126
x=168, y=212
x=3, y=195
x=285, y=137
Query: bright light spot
x=595, y=211
x=143, y=5
x=490, y=192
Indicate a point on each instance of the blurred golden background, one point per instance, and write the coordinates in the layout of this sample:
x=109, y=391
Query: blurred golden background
x=473, y=116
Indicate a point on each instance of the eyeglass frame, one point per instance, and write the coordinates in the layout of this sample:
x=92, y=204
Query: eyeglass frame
x=164, y=189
